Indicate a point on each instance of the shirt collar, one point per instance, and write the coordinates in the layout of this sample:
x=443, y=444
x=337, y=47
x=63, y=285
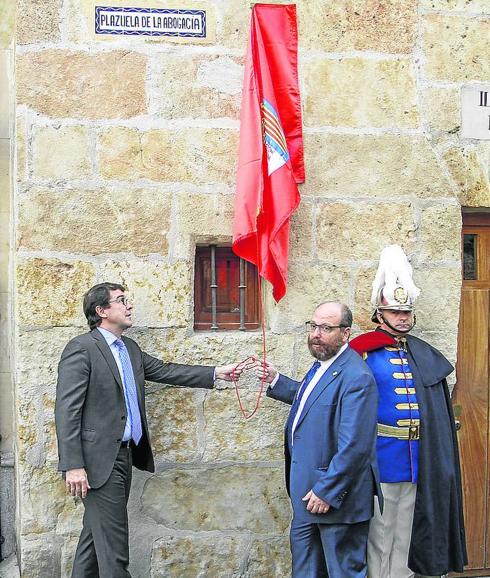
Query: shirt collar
x=108, y=336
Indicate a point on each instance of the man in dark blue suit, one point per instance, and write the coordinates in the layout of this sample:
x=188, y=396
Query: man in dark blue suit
x=330, y=447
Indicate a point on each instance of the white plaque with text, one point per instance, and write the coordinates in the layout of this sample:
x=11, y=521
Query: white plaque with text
x=150, y=22
x=475, y=111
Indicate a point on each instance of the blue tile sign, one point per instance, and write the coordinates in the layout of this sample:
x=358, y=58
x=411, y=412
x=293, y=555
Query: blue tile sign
x=150, y=22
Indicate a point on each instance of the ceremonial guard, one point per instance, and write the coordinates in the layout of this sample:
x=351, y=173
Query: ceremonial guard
x=421, y=529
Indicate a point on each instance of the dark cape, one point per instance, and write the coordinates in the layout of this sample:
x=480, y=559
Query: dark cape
x=438, y=538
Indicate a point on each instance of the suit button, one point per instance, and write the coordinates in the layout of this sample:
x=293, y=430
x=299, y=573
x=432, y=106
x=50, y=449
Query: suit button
x=123, y=417
x=118, y=441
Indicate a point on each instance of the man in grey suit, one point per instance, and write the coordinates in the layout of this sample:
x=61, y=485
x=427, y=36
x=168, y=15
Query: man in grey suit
x=102, y=428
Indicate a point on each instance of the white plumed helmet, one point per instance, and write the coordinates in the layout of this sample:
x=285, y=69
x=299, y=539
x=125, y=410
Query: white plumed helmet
x=393, y=286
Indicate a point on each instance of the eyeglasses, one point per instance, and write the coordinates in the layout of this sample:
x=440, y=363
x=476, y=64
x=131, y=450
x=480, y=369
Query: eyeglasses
x=122, y=299
x=323, y=329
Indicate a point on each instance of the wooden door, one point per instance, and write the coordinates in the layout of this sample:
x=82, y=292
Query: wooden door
x=471, y=397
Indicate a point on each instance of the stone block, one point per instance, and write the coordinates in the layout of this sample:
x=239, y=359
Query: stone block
x=68, y=548
x=161, y=292
x=348, y=25
x=7, y=23
x=470, y=6
x=38, y=21
x=198, y=155
x=197, y=86
x=438, y=304
x=356, y=92
x=301, y=235
x=443, y=108
x=71, y=84
x=235, y=24
x=173, y=421
x=95, y=221
x=229, y=437
x=192, y=556
x=4, y=181
x=80, y=22
x=308, y=286
x=439, y=236
x=38, y=355
x=49, y=441
x=269, y=557
x=201, y=219
x=49, y=292
x=363, y=309
x=386, y=166
x=374, y=225
x=40, y=513
x=40, y=555
x=260, y=502
x=61, y=153
x=456, y=47
x=69, y=526
x=28, y=443
x=470, y=176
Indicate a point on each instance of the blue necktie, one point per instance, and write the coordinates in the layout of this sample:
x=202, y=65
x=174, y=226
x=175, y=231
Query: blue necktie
x=297, y=399
x=130, y=392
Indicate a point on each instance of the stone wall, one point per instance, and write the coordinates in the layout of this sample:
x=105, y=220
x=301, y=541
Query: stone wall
x=125, y=159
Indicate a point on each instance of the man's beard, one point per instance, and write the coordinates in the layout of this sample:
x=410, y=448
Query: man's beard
x=324, y=351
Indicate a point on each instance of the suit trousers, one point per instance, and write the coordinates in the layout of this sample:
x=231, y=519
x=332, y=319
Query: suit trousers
x=103, y=547
x=390, y=533
x=329, y=550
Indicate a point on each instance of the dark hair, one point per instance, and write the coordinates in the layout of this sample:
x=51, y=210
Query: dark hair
x=346, y=319
x=98, y=296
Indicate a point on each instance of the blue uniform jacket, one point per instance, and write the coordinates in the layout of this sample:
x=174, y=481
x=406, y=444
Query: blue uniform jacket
x=398, y=406
x=334, y=445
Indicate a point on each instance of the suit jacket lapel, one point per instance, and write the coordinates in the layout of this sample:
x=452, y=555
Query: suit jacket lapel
x=330, y=375
x=107, y=354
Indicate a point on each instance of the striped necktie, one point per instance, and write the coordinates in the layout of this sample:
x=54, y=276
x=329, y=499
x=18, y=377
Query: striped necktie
x=130, y=393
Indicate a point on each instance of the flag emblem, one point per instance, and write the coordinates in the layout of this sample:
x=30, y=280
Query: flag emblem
x=270, y=157
x=274, y=139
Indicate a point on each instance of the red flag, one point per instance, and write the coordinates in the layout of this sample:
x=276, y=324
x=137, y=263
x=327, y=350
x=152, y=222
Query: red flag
x=271, y=144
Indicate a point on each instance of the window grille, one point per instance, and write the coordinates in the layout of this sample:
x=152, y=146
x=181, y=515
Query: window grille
x=225, y=291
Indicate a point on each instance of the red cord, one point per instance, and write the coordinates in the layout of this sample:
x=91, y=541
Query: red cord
x=246, y=362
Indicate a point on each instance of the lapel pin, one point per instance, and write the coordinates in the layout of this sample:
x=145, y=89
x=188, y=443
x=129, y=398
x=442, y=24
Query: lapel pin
x=335, y=373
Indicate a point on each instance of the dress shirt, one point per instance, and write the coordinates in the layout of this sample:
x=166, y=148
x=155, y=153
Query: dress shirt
x=110, y=339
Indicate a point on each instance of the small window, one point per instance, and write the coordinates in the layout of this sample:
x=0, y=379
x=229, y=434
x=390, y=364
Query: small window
x=225, y=291
x=470, y=260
